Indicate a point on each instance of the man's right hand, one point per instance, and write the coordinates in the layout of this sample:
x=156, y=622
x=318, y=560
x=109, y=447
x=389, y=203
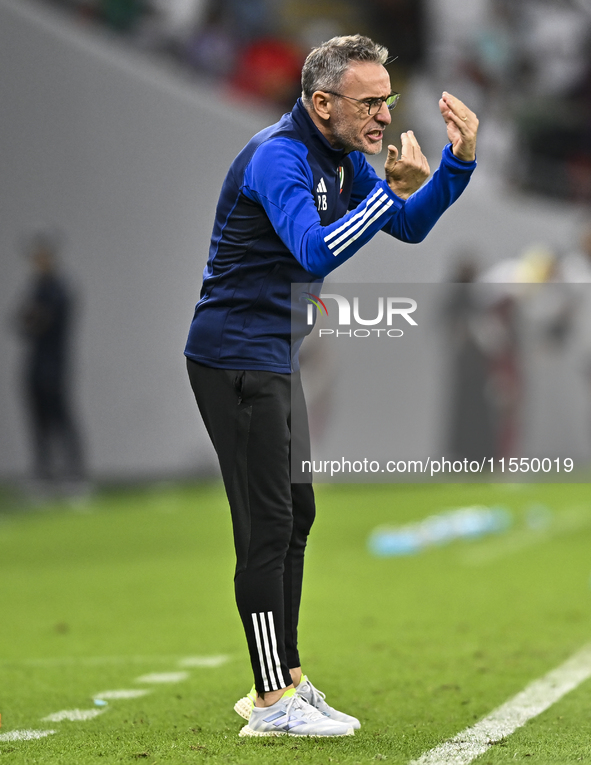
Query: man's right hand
x=407, y=174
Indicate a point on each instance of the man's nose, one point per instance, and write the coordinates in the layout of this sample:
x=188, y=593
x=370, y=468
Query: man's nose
x=383, y=115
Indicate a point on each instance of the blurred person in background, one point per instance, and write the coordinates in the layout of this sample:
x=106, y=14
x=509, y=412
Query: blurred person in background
x=576, y=265
x=211, y=47
x=555, y=38
x=44, y=322
x=298, y=200
x=471, y=421
x=177, y=18
x=576, y=272
x=528, y=316
x=506, y=373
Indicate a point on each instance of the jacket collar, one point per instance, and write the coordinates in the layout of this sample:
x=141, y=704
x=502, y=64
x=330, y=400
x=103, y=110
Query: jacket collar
x=305, y=125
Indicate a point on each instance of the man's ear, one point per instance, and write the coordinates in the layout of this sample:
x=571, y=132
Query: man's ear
x=322, y=105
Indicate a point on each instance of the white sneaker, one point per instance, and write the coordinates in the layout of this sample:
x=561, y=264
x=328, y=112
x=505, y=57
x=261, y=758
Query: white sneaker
x=316, y=698
x=244, y=706
x=292, y=716
x=308, y=692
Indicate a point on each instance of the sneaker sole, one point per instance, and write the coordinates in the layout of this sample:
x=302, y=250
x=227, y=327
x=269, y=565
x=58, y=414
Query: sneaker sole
x=243, y=707
x=248, y=731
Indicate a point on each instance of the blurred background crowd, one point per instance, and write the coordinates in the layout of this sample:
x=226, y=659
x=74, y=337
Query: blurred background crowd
x=254, y=47
x=526, y=65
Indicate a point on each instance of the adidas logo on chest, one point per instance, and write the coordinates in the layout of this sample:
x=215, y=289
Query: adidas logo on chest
x=321, y=193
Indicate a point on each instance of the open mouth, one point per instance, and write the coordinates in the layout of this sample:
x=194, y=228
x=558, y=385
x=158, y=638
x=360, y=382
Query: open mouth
x=375, y=135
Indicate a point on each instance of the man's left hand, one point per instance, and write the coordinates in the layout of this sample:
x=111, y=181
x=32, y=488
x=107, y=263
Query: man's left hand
x=462, y=126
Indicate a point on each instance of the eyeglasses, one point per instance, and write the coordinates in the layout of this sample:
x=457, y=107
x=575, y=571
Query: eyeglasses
x=373, y=104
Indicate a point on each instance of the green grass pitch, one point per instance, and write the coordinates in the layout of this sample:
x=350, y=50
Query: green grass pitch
x=136, y=581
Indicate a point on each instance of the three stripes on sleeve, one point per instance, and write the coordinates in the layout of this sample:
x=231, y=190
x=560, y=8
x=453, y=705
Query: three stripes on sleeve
x=343, y=236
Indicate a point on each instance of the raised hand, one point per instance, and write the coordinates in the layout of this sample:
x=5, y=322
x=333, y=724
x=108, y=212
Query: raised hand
x=462, y=126
x=407, y=174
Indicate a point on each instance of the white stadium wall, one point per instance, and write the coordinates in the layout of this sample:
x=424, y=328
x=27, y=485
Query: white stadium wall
x=127, y=161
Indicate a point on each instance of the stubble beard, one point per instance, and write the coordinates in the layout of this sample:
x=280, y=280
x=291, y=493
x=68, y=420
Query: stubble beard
x=349, y=138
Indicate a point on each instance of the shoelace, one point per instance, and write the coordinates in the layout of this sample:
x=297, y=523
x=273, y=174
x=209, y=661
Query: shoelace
x=301, y=704
x=314, y=692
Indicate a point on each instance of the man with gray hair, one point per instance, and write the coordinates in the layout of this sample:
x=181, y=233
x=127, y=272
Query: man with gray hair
x=298, y=201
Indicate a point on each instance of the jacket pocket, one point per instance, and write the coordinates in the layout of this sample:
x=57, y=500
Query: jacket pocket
x=246, y=384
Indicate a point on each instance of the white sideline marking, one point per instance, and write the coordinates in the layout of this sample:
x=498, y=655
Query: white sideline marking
x=532, y=701
x=25, y=735
x=204, y=661
x=74, y=715
x=122, y=694
x=163, y=677
x=97, y=660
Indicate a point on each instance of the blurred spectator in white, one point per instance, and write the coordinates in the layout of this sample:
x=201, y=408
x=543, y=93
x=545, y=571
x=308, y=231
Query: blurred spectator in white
x=548, y=388
x=527, y=67
x=489, y=67
x=576, y=272
x=553, y=115
x=554, y=36
x=167, y=26
x=178, y=17
x=495, y=49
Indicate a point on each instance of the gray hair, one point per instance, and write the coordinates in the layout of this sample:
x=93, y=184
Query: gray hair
x=325, y=65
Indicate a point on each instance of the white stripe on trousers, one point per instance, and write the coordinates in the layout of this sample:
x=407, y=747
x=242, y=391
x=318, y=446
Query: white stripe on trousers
x=273, y=680
x=274, y=647
x=257, y=638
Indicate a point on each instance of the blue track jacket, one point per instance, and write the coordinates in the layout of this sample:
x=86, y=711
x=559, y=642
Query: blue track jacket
x=291, y=210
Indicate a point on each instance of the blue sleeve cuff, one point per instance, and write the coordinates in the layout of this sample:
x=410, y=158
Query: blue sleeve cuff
x=398, y=201
x=449, y=158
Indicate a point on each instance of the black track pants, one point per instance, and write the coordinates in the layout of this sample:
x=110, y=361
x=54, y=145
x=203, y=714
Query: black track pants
x=248, y=417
